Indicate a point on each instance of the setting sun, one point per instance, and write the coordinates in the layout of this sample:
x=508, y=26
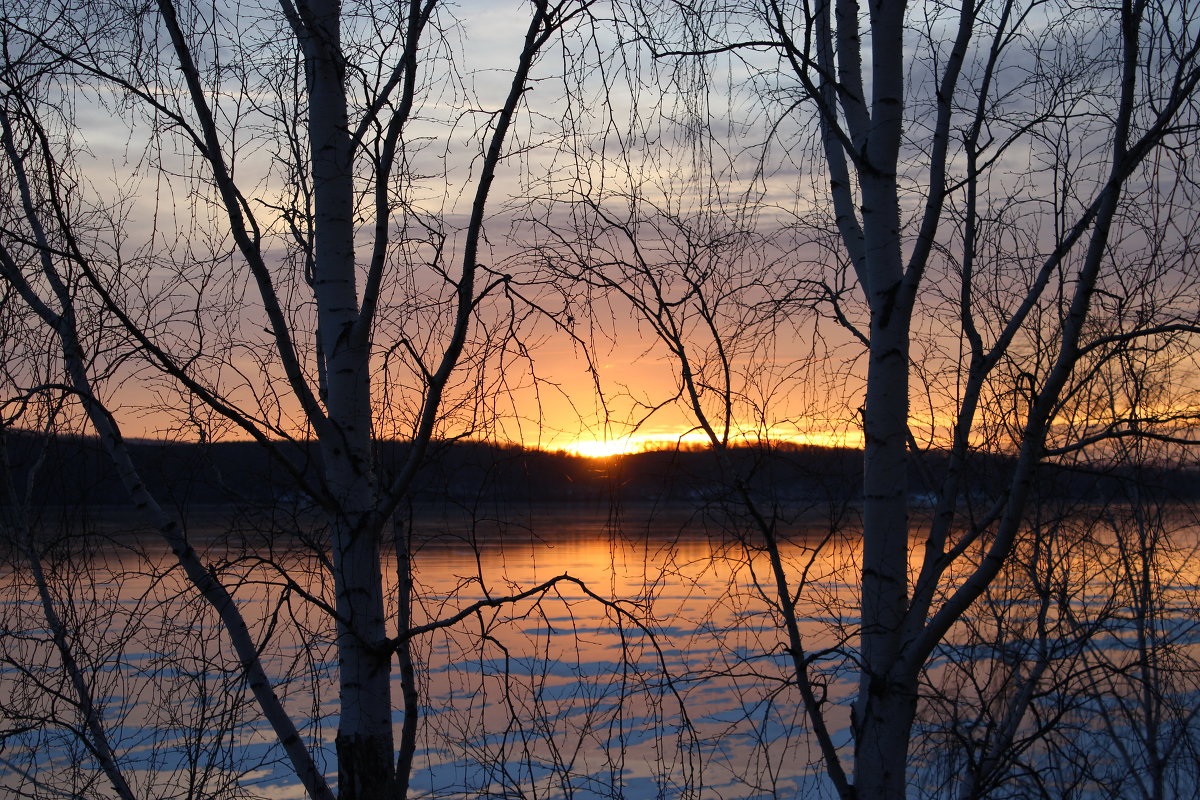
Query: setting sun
x=596, y=448
x=624, y=445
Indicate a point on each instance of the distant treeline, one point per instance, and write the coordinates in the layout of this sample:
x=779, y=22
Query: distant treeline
x=74, y=469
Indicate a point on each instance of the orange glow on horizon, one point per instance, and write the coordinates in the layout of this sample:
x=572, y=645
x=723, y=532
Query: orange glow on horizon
x=626, y=445
x=599, y=448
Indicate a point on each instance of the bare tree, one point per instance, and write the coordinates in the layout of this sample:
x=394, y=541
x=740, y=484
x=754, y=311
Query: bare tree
x=990, y=214
x=1003, y=179
x=291, y=155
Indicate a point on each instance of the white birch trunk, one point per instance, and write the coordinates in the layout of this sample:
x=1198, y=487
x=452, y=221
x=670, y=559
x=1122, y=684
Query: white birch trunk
x=364, y=737
x=886, y=703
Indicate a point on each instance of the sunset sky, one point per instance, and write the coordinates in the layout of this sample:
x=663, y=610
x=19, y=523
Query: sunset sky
x=550, y=399
x=582, y=369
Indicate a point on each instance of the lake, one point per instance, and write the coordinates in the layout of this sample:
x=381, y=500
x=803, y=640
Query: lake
x=670, y=679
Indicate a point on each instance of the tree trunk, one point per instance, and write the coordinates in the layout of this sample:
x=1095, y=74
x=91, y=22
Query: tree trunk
x=364, y=738
x=887, y=702
x=887, y=699
x=881, y=744
x=406, y=660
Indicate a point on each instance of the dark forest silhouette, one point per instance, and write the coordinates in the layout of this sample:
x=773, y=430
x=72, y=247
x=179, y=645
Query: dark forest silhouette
x=76, y=472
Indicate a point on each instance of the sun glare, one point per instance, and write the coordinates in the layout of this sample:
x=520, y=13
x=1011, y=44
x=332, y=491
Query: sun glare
x=625, y=445
x=596, y=448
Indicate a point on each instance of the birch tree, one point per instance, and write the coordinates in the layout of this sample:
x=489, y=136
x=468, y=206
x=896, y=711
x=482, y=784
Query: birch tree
x=1002, y=180
x=329, y=161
